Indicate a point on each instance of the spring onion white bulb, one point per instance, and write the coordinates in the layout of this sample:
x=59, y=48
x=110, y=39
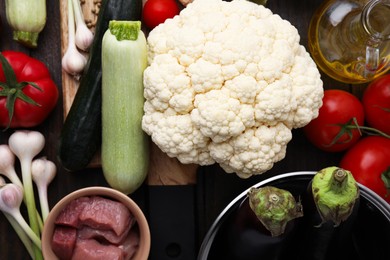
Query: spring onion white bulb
x=73, y=62
x=43, y=172
x=26, y=144
x=7, y=165
x=11, y=196
x=84, y=36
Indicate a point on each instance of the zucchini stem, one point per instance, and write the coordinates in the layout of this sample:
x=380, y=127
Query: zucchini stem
x=125, y=30
x=30, y=39
x=27, y=18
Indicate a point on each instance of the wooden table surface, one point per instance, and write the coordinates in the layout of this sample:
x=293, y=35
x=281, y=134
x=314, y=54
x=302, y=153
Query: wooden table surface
x=162, y=205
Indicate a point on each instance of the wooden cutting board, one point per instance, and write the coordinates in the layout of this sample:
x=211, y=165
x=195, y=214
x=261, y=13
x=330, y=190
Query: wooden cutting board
x=163, y=170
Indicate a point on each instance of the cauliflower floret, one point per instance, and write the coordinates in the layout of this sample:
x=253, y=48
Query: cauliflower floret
x=256, y=150
x=169, y=85
x=217, y=115
x=178, y=137
x=226, y=83
x=205, y=76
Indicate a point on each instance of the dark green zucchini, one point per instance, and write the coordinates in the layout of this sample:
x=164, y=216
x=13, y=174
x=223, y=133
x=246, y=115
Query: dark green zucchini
x=80, y=137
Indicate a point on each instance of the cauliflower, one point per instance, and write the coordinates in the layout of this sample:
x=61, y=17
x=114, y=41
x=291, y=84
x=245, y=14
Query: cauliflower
x=226, y=83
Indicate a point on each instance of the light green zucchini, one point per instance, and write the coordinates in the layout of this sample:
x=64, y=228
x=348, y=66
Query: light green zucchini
x=27, y=19
x=125, y=147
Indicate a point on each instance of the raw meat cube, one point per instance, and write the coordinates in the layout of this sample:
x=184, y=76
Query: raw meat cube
x=92, y=250
x=105, y=214
x=69, y=216
x=63, y=242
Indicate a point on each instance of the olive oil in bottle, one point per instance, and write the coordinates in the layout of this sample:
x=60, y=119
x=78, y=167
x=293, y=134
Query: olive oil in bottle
x=350, y=40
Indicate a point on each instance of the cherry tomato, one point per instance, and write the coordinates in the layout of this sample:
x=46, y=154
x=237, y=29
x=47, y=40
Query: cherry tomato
x=157, y=11
x=367, y=160
x=339, y=107
x=376, y=103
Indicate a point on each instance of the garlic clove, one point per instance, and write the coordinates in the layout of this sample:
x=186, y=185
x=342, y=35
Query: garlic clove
x=84, y=37
x=73, y=62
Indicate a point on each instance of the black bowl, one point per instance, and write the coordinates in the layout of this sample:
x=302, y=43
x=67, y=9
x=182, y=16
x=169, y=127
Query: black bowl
x=372, y=228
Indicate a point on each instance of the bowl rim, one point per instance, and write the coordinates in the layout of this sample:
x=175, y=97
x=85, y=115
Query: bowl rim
x=144, y=244
x=205, y=247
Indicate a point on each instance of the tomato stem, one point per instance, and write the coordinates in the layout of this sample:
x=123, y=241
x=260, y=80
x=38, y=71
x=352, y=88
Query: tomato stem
x=383, y=108
x=353, y=125
x=12, y=89
x=385, y=176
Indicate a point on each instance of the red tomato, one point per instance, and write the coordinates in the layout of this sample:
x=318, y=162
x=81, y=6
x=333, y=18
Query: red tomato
x=367, y=160
x=376, y=102
x=339, y=107
x=157, y=11
x=25, y=114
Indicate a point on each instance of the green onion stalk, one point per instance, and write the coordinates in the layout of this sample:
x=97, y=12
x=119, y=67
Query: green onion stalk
x=11, y=196
x=16, y=226
x=26, y=145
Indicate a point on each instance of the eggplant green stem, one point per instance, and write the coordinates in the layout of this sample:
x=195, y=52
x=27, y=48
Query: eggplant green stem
x=274, y=208
x=335, y=192
x=337, y=183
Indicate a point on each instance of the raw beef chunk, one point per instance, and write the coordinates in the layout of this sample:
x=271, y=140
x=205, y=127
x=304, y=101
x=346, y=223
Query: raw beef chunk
x=105, y=214
x=69, y=216
x=93, y=228
x=103, y=235
x=130, y=245
x=63, y=242
x=90, y=249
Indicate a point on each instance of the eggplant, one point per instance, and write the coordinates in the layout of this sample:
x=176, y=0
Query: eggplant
x=331, y=207
x=264, y=225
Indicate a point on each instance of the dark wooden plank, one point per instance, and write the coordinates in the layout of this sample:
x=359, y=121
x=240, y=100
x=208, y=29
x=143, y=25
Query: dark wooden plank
x=214, y=188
